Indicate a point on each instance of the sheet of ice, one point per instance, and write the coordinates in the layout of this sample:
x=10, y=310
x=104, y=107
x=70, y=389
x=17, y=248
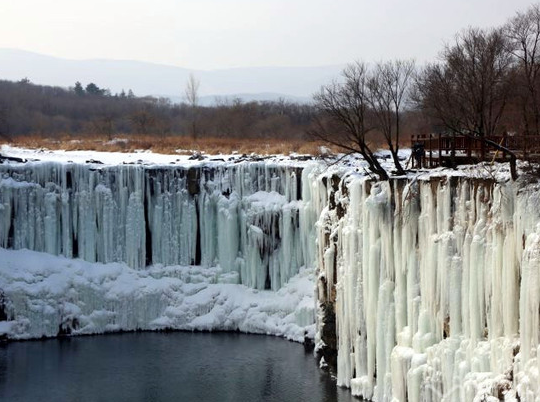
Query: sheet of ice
x=48, y=295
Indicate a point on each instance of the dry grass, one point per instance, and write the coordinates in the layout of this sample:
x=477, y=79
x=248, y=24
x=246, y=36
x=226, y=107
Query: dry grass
x=170, y=144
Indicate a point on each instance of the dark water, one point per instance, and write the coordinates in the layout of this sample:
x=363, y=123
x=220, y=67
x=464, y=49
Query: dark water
x=164, y=367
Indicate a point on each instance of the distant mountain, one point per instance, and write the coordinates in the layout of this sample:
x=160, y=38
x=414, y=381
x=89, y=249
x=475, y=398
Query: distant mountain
x=253, y=83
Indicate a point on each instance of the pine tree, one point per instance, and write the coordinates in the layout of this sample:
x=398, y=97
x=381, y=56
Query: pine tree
x=79, y=90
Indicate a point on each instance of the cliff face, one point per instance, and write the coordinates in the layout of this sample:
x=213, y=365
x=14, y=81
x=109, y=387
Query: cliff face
x=434, y=284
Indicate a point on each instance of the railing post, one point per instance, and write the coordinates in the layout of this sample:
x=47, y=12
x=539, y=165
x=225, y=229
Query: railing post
x=440, y=150
x=525, y=147
x=430, y=150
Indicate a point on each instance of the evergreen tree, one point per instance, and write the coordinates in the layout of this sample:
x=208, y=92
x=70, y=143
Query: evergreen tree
x=79, y=90
x=93, y=89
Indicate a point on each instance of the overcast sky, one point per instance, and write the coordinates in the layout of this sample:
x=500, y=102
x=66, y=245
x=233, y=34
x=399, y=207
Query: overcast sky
x=212, y=34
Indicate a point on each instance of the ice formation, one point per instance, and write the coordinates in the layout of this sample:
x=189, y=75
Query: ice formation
x=435, y=287
x=45, y=295
x=241, y=217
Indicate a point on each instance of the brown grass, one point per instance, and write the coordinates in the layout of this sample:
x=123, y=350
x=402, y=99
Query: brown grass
x=170, y=144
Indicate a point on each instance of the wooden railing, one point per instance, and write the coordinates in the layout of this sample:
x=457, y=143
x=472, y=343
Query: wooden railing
x=449, y=149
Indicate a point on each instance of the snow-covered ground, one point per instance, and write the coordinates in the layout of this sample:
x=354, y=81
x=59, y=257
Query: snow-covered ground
x=141, y=157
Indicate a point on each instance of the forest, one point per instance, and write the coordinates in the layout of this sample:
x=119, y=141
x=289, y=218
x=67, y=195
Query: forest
x=26, y=108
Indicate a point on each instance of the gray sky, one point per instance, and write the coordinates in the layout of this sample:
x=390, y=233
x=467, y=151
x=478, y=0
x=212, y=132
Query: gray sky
x=211, y=34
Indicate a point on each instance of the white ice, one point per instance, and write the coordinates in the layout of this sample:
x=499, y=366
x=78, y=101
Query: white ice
x=437, y=287
x=46, y=294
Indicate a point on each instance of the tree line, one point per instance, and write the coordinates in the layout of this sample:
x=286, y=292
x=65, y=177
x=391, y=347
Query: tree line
x=486, y=82
x=27, y=108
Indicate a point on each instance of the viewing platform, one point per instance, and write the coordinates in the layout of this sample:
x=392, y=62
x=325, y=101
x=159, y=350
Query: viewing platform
x=453, y=149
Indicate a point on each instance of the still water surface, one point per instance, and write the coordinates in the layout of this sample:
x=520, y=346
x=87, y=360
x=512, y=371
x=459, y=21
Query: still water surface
x=176, y=366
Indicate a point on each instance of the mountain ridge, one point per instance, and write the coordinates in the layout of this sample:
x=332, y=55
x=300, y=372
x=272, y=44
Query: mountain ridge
x=149, y=78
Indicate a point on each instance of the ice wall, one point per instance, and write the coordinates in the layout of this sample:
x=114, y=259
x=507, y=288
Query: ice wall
x=434, y=284
x=243, y=217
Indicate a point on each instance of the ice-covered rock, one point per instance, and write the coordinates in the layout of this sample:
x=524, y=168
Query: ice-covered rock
x=48, y=295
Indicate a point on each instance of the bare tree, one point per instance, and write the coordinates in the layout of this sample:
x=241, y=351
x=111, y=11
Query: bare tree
x=388, y=89
x=468, y=91
x=192, y=97
x=4, y=121
x=143, y=120
x=523, y=32
x=345, y=117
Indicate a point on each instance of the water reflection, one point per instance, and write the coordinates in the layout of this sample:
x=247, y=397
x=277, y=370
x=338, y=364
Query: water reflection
x=164, y=367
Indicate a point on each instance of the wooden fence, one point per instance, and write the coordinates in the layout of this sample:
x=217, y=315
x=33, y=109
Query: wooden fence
x=453, y=149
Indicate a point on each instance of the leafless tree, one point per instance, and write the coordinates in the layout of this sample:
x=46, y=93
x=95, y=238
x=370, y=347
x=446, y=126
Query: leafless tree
x=4, y=123
x=192, y=97
x=143, y=120
x=523, y=32
x=468, y=90
x=388, y=89
x=345, y=117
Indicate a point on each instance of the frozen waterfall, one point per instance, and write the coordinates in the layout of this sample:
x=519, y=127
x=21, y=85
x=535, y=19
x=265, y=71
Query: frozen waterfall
x=428, y=287
x=242, y=217
x=435, y=287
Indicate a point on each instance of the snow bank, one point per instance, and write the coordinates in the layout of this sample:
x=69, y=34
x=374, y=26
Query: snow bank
x=46, y=295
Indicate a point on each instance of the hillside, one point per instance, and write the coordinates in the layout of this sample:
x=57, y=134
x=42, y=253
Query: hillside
x=163, y=80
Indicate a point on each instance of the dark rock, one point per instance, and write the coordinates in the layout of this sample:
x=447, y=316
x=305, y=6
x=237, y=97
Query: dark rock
x=3, y=307
x=193, y=181
x=302, y=157
x=329, y=335
x=4, y=158
x=197, y=156
x=309, y=345
x=67, y=327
